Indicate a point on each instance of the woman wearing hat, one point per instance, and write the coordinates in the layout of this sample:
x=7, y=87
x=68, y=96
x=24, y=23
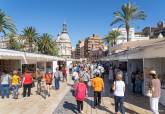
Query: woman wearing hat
x=155, y=92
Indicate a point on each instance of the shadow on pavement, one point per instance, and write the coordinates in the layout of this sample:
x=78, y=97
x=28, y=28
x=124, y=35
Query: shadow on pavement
x=90, y=102
x=130, y=111
x=105, y=109
x=70, y=106
x=138, y=100
x=106, y=91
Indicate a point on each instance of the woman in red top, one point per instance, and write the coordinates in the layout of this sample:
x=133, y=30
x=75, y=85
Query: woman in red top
x=80, y=94
x=27, y=83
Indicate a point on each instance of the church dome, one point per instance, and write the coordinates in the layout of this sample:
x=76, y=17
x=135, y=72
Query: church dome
x=64, y=37
x=64, y=43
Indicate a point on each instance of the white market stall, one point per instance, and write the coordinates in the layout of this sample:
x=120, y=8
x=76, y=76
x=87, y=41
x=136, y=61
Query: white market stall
x=146, y=55
x=25, y=58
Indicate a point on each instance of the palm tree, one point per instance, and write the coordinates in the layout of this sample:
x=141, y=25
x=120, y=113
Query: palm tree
x=30, y=36
x=111, y=37
x=13, y=44
x=46, y=45
x=6, y=23
x=128, y=13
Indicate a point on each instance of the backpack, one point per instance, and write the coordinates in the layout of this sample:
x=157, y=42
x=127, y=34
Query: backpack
x=85, y=76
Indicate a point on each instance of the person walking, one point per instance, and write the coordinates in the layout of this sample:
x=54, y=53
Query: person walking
x=39, y=76
x=80, y=94
x=64, y=73
x=89, y=71
x=57, y=79
x=84, y=74
x=5, y=82
x=75, y=76
x=15, y=84
x=119, y=90
x=155, y=92
x=27, y=83
x=98, y=86
x=48, y=79
x=97, y=71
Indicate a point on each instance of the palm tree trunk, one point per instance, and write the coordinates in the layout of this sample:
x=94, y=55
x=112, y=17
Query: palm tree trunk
x=114, y=42
x=111, y=44
x=30, y=45
x=127, y=30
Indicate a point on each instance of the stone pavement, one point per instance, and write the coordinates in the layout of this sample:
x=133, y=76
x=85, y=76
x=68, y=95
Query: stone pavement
x=134, y=104
x=62, y=102
x=34, y=104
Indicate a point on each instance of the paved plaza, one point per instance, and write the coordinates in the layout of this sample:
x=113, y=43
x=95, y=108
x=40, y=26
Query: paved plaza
x=63, y=102
x=35, y=104
x=135, y=104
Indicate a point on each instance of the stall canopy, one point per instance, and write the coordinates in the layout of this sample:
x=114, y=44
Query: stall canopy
x=134, y=44
x=137, y=50
x=17, y=55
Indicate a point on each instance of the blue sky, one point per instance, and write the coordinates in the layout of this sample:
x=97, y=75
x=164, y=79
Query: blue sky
x=84, y=17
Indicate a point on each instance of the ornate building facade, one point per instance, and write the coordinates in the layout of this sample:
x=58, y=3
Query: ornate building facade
x=64, y=43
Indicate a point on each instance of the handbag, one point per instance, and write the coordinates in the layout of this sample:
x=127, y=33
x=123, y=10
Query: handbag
x=149, y=93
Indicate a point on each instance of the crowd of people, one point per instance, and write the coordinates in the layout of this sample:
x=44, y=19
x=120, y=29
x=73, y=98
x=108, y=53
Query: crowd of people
x=12, y=82
x=83, y=76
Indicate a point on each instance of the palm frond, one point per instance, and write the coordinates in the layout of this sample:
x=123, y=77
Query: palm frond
x=30, y=36
x=140, y=15
x=6, y=23
x=46, y=45
x=128, y=13
x=118, y=18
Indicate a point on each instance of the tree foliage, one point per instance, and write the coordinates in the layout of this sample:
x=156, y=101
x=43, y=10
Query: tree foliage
x=30, y=36
x=127, y=15
x=29, y=40
x=111, y=37
x=6, y=23
x=46, y=45
x=13, y=43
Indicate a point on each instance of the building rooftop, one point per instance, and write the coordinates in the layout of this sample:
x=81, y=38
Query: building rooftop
x=134, y=44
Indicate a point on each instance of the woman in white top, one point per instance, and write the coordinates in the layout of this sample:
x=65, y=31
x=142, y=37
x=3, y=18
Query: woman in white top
x=119, y=89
